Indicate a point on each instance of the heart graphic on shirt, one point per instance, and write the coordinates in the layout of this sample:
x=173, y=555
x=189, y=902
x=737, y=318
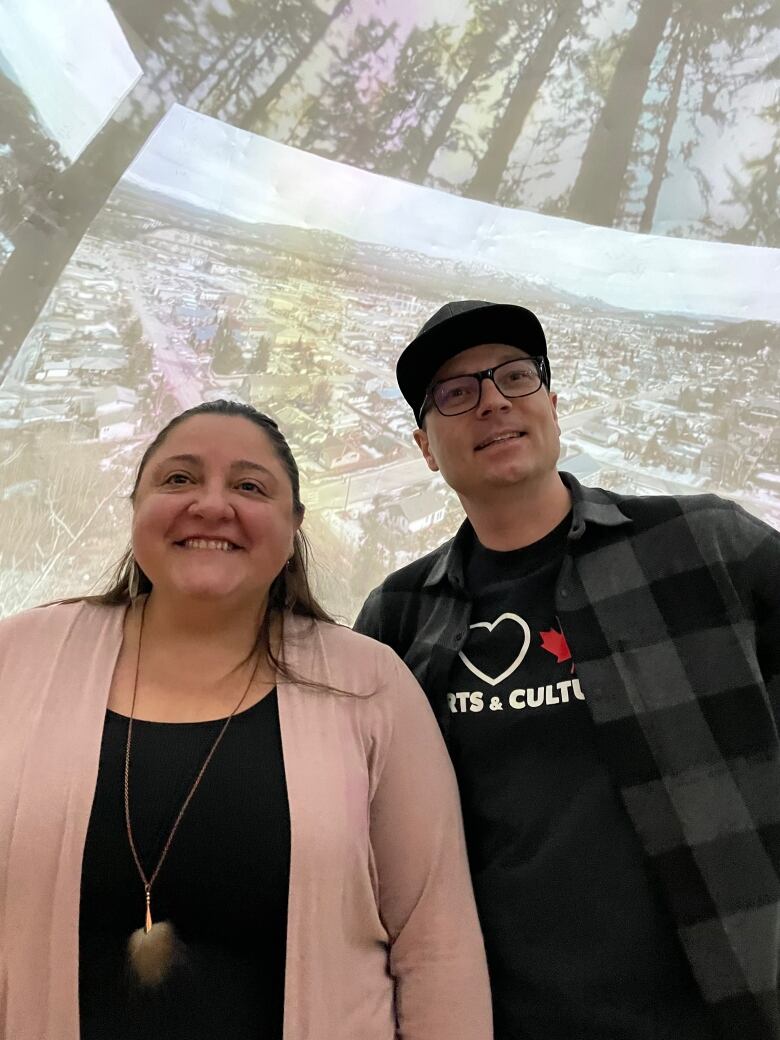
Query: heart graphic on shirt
x=490, y=626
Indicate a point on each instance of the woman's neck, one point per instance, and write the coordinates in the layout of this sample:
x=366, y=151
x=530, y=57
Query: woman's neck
x=197, y=640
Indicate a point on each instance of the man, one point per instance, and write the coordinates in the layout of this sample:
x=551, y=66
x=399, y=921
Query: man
x=605, y=671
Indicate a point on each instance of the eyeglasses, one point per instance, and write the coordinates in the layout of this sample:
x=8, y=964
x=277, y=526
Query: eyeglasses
x=516, y=378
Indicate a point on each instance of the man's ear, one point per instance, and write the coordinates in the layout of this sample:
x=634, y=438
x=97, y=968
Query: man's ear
x=554, y=403
x=422, y=442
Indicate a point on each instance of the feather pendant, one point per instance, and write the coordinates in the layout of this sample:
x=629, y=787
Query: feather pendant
x=152, y=952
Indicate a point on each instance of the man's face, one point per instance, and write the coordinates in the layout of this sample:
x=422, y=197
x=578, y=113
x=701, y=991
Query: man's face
x=500, y=443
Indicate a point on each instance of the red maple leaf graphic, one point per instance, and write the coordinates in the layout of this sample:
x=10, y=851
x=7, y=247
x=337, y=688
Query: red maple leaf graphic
x=555, y=643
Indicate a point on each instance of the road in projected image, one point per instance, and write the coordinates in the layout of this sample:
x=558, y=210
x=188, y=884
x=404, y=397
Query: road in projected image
x=225, y=265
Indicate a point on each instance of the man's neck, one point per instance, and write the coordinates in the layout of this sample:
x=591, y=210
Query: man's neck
x=517, y=516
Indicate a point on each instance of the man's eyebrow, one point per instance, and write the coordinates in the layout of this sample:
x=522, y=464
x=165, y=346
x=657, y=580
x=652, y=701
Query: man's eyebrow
x=523, y=356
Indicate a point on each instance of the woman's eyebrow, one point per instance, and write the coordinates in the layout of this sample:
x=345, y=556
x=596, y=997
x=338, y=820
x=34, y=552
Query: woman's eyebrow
x=194, y=460
x=248, y=464
x=197, y=460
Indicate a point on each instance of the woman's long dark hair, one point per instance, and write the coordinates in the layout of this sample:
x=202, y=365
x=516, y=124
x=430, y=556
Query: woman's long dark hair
x=290, y=590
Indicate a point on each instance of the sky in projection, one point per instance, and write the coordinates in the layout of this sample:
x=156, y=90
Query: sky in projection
x=71, y=60
x=249, y=178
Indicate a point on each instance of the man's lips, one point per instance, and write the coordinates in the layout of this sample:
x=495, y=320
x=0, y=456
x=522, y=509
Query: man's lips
x=498, y=438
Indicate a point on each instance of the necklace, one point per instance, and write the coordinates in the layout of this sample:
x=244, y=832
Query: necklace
x=153, y=949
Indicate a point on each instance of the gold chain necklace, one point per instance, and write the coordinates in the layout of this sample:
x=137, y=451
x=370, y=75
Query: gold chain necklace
x=153, y=949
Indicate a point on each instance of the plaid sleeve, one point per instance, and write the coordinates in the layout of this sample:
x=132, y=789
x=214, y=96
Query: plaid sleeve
x=369, y=620
x=673, y=627
x=762, y=580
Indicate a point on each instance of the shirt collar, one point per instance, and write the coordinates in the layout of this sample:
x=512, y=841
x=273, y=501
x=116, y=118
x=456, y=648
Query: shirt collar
x=589, y=506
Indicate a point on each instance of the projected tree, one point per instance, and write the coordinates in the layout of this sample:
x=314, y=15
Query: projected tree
x=29, y=159
x=694, y=29
x=758, y=190
x=523, y=86
x=226, y=354
x=316, y=24
x=349, y=87
x=434, y=77
x=407, y=107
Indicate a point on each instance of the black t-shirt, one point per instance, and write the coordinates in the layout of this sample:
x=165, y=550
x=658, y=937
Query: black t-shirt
x=580, y=945
x=223, y=884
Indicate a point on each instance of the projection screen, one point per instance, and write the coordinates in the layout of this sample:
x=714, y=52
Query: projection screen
x=263, y=202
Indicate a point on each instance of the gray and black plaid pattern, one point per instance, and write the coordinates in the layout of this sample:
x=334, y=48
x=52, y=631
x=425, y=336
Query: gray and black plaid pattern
x=671, y=608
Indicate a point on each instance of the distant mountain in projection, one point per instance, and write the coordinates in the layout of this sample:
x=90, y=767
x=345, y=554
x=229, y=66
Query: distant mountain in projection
x=433, y=274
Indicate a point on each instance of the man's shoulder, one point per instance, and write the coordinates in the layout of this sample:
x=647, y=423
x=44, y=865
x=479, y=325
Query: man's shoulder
x=707, y=518
x=412, y=576
x=655, y=508
x=658, y=508
x=392, y=605
x=711, y=508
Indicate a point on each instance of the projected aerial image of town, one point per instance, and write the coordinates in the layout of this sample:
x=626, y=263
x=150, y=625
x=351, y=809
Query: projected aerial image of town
x=170, y=300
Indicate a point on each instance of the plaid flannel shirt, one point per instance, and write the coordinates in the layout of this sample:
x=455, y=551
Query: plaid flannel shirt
x=671, y=609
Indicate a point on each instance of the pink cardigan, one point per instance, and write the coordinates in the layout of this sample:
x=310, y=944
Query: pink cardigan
x=383, y=939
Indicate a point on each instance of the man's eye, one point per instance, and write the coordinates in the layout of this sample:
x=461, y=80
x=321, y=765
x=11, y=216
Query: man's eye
x=450, y=393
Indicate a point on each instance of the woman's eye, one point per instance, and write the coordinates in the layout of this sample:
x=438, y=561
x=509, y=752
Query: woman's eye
x=249, y=485
x=176, y=478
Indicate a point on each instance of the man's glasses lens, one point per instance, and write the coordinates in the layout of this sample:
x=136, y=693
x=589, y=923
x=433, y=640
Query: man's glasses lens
x=461, y=393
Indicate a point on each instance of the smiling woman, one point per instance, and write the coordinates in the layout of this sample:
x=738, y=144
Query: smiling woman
x=220, y=470
x=262, y=824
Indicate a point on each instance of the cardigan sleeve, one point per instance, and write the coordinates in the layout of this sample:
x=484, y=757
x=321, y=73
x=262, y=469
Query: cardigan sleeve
x=426, y=901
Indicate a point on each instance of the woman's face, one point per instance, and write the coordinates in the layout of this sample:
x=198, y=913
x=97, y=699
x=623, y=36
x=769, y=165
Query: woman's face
x=213, y=516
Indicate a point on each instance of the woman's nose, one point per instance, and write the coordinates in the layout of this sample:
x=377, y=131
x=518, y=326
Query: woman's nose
x=212, y=502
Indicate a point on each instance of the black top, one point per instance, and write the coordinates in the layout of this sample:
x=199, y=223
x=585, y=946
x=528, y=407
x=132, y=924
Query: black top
x=579, y=942
x=670, y=605
x=223, y=884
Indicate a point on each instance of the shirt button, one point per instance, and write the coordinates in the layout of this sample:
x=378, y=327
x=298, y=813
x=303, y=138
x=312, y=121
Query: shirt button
x=564, y=593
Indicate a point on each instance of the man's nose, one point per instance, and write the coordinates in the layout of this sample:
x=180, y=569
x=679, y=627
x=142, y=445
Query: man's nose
x=491, y=399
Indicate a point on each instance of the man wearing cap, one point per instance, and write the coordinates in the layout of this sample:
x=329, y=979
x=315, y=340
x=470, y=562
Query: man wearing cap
x=606, y=672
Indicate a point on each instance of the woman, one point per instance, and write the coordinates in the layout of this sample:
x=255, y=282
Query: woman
x=222, y=815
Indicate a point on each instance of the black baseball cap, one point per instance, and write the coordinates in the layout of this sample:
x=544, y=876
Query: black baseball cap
x=457, y=326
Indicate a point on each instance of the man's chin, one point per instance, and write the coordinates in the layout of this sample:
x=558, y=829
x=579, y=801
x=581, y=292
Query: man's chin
x=509, y=476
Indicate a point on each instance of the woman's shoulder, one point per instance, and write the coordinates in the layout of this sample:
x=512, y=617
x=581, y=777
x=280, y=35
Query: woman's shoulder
x=347, y=660
x=49, y=615
x=48, y=622
x=334, y=638
x=342, y=638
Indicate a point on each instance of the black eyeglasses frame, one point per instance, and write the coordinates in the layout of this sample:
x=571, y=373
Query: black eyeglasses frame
x=487, y=373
